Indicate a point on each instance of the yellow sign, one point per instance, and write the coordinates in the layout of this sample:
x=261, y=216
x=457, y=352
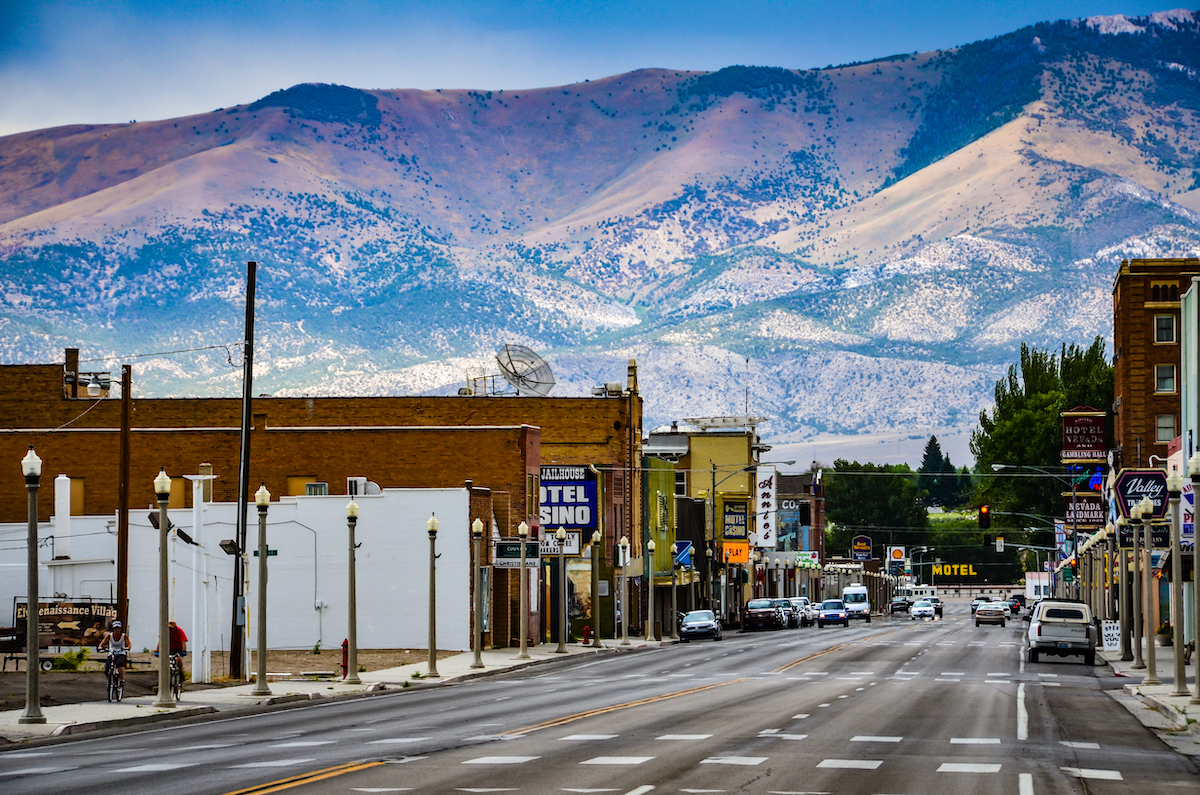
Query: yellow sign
x=954, y=570
x=736, y=552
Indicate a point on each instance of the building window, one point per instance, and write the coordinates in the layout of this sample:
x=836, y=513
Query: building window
x=1164, y=378
x=1164, y=328
x=1164, y=428
x=680, y=483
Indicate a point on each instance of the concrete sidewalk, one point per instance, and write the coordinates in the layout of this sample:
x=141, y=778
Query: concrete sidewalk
x=97, y=715
x=1173, y=718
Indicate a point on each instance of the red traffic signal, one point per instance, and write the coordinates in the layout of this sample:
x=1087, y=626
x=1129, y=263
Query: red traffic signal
x=985, y=517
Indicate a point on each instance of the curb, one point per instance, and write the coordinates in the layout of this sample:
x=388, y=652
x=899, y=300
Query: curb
x=158, y=717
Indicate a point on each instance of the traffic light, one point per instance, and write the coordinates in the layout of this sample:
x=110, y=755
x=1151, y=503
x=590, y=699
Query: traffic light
x=985, y=517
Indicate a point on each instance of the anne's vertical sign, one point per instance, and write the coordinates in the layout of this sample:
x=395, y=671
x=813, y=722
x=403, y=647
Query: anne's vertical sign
x=764, y=507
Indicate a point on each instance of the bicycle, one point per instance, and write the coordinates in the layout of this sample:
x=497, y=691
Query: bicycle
x=115, y=684
x=175, y=677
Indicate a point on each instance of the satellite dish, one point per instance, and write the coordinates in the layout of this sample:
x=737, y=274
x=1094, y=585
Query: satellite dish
x=527, y=372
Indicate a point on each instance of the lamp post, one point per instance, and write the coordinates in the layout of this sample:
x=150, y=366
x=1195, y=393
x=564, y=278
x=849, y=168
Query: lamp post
x=708, y=554
x=561, y=536
x=650, y=635
x=1110, y=570
x=432, y=527
x=596, y=587
x=523, y=534
x=262, y=500
x=162, y=489
x=477, y=537
x=1124, y=607
x=1147, y=597
x=1194, y=473
x=1174, y=489
x=624, y=544
x=1135, y=515
x=31, y=467
x=352, y=610
x=674, y=601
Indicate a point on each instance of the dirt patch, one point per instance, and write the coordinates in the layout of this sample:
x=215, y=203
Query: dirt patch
x=87, y=684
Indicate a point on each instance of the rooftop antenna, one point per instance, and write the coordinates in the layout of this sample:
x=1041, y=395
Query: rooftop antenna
x=747, y=411
x=525, y=371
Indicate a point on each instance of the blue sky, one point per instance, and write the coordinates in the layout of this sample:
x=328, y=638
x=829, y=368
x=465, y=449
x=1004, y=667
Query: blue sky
x=83, y=61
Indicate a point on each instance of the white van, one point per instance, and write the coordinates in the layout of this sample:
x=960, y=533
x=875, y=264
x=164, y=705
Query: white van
x=857, y=601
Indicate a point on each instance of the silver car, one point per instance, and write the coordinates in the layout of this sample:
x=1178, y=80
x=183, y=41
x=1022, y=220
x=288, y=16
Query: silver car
x=922, y=609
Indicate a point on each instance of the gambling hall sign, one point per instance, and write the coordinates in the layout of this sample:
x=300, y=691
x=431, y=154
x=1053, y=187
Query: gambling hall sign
x=1084, y=435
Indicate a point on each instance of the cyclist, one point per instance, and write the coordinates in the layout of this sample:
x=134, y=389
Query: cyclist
x=178, y=644
x=117, y=643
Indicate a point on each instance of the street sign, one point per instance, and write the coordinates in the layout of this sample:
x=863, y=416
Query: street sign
x=270, y=552
x=999, y=543
x=507, y=555
x=860, y=548
x=1134, y=484
x=549, y=543
x=1111, y=632
x=1160, y=537
x=683, y=554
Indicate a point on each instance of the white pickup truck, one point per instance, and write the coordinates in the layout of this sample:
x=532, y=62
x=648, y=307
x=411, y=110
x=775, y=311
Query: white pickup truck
x=1062, y=628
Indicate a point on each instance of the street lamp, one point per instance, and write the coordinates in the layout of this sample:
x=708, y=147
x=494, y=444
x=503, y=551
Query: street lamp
x=1124, y=607
x=1135, y=522
x=31, y=467
x=1148, y=596
x=1174, y=489
x=561, y=536
x=432, y=526
x=523, y=534
x=352, y=614
x=162, y=489
x=650, y=638
x=596, y=588
x=262, y=500
x=708, y=553
x=1194, y=473
x=624, y=608
x=477, y=536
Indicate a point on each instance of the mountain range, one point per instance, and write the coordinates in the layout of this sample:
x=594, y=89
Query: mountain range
x=858, y=249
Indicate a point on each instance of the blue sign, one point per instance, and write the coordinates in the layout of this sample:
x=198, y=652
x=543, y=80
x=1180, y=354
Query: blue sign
x=683, y=554
x=567, y=498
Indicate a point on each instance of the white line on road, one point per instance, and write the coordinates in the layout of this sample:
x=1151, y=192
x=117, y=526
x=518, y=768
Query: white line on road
x=851, y=764
x=953, y=673
x=586, y=790
x=275, y=763
x=303, y=743
x=734, y=760
x=642, y=790
x=487, y=789
x=1022, y=714
x=1085, y=772
x=867, y=738
x=30, y=771
x=500, y=760
x=155, y=767
x=801, y=716
x=380, y=789
x=958, y=767
x=686, y=737
x=1090, y=746
x=617, y=760
x=397, y=740
x=974, y=740
x=588, y=737
x=1025, y=784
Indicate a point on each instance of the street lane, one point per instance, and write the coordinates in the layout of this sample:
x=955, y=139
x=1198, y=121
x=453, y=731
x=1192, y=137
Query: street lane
x=895, y=707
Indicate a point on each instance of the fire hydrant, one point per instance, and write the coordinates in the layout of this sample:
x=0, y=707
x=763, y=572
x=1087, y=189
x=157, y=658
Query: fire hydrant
x=587, y=633
x=345, y=656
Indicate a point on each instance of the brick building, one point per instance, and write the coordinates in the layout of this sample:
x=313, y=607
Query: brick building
x=497, y=443
x=1146, y=356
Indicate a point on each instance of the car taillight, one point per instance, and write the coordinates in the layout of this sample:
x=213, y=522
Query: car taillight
x=1039, y=630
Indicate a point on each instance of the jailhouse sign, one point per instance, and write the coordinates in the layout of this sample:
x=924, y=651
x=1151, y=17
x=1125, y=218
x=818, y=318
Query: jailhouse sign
x=1084, y=435
x=568, y=498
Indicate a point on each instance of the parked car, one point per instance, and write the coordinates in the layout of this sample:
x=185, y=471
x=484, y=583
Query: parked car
x=899, y=605
x=991, y=613
x=977, y=601
x=938, y=607
x=833, y=611
x=700, y=624
x=762, y=614
x=1062, y=627
x=789, y=612
x=922, y=609
x=807, y=610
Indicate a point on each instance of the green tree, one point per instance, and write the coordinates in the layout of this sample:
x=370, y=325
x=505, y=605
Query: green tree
x=882, y=501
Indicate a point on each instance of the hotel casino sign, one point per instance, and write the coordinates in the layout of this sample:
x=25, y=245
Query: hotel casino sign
x=1084, y=435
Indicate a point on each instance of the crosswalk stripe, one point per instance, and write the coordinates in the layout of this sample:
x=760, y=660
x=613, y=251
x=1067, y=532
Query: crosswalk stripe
x=734, y=760
x=1086, y=772
x=500, y=760
x=958, y=767
x=617, y=760
x=851, y=764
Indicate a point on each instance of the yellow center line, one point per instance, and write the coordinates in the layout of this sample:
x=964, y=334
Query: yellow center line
x=304, y=778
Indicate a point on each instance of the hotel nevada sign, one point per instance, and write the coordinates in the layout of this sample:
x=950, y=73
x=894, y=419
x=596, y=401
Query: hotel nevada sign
x=1084, y=435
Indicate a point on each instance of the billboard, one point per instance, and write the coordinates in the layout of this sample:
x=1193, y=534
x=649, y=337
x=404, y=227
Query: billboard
x=567, y=498
x=734, y=521
x=860, y=548
x=76, y=622
x=764, y=499
x=1083, y=436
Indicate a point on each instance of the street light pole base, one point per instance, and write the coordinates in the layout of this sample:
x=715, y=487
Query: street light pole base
x=32, y=719
x=168, y=703
x=264, y=691
x=352, y=680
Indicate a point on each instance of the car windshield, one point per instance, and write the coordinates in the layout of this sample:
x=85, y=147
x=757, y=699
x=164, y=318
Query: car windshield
x=854, y=597
x=699, y=615
x=759, y=604
x=832, y=604
x=923, y=603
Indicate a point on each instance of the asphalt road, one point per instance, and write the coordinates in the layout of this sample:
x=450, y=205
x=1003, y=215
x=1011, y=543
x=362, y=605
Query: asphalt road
x=891, y=707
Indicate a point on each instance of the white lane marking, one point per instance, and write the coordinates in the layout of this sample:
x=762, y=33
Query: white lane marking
x=958, y=767
x=913, y=644
x=700, y=791
x=1091, y=746
x=404, y=759
x=862, y=673
x=801, y=716
x=1022, y=714
x=676, y=676
x=1048, y=676
x=816, y=673
x=211, y=746
x=953, y=673
x=586, y=790
x=487, y=789
x=1050, y=684
x=999, y=674
x=588, y=737
x=786, y=792
x=1025, y=784
x=734, y=760
x=500, y=760
x=684, y=737
x=25, y=754
x=397, y=740
x=947, y=680
x=974, y=740
x=303, y=743
x=774, y=734
x=1087, y=772
x=849, y=678
x=843, y=696
x=617, y=760
x=503, y=698
x=997, y=681
x=768, y=731
x=155, y=767
x=868, y=738
x=36, y=771
x=851, y=764
x=276, y=763
x=822, y=705
x=642, y=790
x=380, y=789
x=860, y=689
